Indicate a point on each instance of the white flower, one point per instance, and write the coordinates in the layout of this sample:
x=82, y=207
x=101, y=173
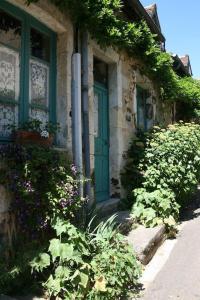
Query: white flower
x=44, y=134
x=42, y=127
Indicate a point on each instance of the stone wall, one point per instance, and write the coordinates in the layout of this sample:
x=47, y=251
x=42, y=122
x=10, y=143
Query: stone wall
x=124, y=75
x=7, y=222
x=49, y=15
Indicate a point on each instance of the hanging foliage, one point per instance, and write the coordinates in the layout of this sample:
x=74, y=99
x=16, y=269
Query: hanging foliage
x=104, y=20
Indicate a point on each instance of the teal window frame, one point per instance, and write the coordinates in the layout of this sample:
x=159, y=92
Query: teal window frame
x=141, y=95
x=29, y=22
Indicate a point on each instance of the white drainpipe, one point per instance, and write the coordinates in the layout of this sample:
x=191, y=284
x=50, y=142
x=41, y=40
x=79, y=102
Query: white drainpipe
x=76, y=114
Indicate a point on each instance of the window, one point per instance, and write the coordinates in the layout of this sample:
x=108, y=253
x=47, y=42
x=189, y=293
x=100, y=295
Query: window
x=144, y=110
x=27, y=69
x=100, y=72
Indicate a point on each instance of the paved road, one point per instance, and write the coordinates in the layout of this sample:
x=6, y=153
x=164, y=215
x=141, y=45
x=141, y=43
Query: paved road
x=180, y=276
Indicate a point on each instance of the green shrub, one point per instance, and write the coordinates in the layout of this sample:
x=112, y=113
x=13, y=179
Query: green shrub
x=155, y=208
x=44, y=185
x=172, y=159
x=15, y=276
x=171, y=169
x=131, y=176
x=113, y=262
x=92, y=265
x=73, y=263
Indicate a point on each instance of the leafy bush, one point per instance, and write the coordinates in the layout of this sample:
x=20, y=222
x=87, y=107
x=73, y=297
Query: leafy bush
x=15, y=275
x=189, y=90
x=131, y=176
x=92, y=265
x=105, y=22
x=171, y=169
x=44, y=185
x=75, y=264
x=172, y=159
x=155, y=208
x=113, y=263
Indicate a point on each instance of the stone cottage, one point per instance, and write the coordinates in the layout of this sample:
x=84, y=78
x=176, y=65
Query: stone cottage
x=99, y=97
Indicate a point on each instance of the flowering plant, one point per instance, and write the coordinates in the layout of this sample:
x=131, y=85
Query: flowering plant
x=35, y=125
x=44, y=185
x=44, y=134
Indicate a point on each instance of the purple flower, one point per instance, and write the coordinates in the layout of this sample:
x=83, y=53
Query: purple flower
x=74, y=169
x=28, y=186
x=64, y=203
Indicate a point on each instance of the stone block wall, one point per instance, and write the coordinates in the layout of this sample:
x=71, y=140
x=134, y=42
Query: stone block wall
x=7, y=222
x=124, y=75
x=60, y=23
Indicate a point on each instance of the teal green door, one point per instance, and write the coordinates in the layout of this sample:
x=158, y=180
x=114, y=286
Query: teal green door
x=141, y=109
x=101, y=131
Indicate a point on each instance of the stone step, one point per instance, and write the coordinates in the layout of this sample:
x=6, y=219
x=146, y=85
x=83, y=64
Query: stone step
x=146, y=241
x=124, y=221
x=107, y=208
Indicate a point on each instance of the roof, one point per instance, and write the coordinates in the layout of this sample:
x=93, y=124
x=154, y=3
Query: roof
x=141, y=13
x=182, y=65
x=153, y=13
x=186, y=62
x=151, y=9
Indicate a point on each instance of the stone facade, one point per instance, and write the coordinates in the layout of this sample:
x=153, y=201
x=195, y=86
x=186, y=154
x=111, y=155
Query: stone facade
x=7, y=221
x=60, y=23
x=123, y=76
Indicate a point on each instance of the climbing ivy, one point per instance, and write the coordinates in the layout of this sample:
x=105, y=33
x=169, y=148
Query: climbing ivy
x=189, y=89
x=189, y=95
x=104, y=20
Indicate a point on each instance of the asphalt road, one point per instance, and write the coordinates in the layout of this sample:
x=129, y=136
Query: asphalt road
x=180, y=276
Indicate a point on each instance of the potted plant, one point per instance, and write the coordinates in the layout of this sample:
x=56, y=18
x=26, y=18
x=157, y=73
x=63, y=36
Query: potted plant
x=35, y=132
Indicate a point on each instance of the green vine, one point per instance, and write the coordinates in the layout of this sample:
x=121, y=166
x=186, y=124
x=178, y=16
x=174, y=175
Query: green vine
x=104, y=20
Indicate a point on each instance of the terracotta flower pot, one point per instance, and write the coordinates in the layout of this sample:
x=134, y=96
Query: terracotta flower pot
x=31, y=137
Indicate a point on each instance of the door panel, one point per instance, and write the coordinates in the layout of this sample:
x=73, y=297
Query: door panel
x=101, y=143
x=141, y=107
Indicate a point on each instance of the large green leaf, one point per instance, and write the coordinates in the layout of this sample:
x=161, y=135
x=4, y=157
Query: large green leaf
x=53, y=286
x=62, y=272
x=66, y=251
x=84, y=279
x=60, y=226
x=41, y=262
x=54, y=248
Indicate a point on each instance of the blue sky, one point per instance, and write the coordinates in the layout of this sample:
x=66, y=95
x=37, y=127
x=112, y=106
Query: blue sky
x=180, y=23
